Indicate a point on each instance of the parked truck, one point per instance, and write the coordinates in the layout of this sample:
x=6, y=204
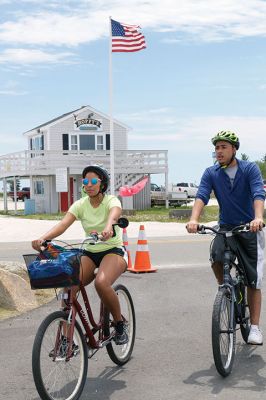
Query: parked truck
x=175, y=198
x=186, y=187
x=22, y=194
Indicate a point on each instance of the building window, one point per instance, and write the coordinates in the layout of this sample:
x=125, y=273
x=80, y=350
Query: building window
x=99, y=142
x=37, y=143
x=38, y=187
x=73, y=142
x=86, y=142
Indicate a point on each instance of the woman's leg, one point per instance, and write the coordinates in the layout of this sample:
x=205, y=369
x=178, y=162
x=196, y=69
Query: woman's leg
x=111, y=267
x=86, y=274
x=87, y=268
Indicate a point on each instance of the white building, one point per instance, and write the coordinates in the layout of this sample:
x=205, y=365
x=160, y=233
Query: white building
x=58, y=150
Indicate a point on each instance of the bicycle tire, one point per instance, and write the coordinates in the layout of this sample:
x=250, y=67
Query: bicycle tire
x=120, y=354
x=245, y=316
x=223, y=341
x=54, y=377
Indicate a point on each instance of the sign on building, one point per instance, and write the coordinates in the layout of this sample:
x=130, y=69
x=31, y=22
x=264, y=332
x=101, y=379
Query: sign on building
x=61, y=180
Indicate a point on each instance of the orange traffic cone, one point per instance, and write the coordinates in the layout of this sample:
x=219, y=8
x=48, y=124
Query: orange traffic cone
x=142, y=259
x=125, y=243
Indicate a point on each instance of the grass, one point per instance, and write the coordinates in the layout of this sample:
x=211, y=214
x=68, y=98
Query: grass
x=159, y=214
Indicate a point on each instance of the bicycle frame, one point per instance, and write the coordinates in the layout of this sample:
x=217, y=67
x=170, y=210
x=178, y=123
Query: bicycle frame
x=229, y=283
x=226, y=316
x=73, y=307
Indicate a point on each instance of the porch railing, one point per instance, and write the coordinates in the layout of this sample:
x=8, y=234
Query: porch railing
x=27, y=163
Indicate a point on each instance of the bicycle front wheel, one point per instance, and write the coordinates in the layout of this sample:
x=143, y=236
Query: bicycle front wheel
x=55, y=376
x=245, y=316
x=120, y=354
x=223, y=336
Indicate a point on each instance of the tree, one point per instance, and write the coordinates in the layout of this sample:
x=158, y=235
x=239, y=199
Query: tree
x=263, y=159
x=244, y=157
x=262, y=167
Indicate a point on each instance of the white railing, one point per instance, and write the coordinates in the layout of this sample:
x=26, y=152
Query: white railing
x=27, y=163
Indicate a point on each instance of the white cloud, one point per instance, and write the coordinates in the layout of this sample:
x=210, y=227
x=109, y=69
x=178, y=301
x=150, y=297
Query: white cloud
x=189, y=141
x=32, y=56
x=53, y=29
x=71, y=23
x=12, y=88
x=194, y=133
x=12, y=93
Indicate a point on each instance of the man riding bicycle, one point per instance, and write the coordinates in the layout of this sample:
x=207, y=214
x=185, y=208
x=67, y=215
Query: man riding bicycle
x=97, y=211
x=238, y=188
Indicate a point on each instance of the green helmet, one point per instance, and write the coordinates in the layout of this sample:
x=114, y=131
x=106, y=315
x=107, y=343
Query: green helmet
x=226, y=136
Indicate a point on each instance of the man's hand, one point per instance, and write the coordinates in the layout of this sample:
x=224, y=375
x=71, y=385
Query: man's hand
x=256, y=225
x=192, y=226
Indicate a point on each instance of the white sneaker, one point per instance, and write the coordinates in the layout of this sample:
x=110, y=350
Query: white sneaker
x=255, y=335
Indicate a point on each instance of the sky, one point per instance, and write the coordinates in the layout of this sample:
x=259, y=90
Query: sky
x=204, y=70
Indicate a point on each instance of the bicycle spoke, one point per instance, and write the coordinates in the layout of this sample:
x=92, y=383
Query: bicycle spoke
x=120, y=354
x=57, y=378
x=223, y=338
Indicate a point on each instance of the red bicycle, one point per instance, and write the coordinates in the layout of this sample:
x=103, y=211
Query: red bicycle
x=63, y=344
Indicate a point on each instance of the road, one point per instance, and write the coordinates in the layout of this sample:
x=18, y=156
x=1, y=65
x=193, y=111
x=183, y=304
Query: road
x=172, y=358
x=178, y=250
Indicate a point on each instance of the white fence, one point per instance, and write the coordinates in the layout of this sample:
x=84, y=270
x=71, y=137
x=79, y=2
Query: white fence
x=27, y=163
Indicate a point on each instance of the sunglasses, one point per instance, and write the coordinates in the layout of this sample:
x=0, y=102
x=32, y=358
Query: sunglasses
x=93, y=181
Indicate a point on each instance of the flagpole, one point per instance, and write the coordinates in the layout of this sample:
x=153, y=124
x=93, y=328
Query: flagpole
x=112, y=168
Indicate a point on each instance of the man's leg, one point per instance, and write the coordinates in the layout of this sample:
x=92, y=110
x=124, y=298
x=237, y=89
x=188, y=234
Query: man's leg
x=218, y=272
x=254, y=301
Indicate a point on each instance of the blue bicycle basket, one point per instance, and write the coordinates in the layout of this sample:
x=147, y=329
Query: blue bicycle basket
x=62, y=271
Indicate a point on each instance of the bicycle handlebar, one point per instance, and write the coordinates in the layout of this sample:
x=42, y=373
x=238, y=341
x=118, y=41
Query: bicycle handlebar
x=239, y=228
x=96, y=237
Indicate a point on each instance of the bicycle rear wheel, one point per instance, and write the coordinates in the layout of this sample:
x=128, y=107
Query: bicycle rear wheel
x=223, y=339
x=120, y=354
x=245, y=316
x=56, y=378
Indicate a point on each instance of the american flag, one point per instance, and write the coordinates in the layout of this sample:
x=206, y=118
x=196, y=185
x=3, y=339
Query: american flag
x=126, y=38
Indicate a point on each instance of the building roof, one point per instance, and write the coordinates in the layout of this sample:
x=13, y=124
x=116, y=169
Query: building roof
x=55, y=119
x=60, y=117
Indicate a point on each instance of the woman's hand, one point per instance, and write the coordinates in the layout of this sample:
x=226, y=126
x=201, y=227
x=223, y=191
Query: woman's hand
x=107, y=233
x=37, y=244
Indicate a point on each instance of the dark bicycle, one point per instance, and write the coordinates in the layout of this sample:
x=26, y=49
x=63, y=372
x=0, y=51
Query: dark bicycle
x=63, y=344
x=230, y=307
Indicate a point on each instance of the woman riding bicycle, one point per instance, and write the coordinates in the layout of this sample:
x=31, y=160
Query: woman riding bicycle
x=97, y=212
x=238, y=187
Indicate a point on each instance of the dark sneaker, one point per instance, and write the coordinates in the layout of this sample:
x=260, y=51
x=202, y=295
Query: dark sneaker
x=121, y=336
x=62, y=351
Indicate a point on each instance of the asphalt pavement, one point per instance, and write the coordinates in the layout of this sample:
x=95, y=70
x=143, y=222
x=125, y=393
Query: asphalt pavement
x=172, y=358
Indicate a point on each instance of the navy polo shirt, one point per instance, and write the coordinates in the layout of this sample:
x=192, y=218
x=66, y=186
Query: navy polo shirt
x=236, y=203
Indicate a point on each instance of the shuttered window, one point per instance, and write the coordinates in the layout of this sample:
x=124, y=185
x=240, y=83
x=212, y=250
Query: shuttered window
x=65, y=141
x=107, y=142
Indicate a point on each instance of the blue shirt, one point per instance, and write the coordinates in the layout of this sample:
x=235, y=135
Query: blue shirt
x=236, y=203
